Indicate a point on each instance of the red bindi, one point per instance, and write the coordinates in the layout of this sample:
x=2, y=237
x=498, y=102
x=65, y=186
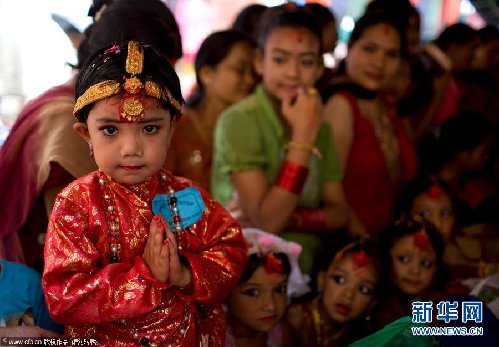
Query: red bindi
x=421, y=240
x=386, y=28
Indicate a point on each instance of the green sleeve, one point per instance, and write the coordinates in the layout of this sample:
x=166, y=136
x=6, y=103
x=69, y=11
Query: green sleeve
x=238, y=146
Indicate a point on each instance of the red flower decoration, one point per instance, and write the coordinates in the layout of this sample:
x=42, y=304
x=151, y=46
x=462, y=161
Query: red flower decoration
x=113, y=49
x=435, y=192
x=421, y=240
x=272, y=264
x=360, y=259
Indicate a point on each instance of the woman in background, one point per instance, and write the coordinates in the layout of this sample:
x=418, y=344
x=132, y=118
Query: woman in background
x=224, y=75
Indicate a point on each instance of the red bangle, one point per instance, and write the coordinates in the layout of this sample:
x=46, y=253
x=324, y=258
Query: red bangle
x=292, y=177
x=308, y=219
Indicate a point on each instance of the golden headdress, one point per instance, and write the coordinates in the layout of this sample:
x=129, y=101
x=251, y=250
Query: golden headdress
x=132, y=107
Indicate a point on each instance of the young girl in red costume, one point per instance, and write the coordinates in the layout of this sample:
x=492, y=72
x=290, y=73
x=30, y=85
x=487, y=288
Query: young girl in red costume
x=135, y=256
x=412, y=250
x=256, y=306
x=347, y=282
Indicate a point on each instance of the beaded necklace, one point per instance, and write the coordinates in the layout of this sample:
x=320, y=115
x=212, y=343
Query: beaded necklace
x=323, y=331
x=114, y=222
x=114, y=257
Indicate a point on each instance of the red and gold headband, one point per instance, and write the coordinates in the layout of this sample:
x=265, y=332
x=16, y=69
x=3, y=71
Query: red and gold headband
x=132, y=107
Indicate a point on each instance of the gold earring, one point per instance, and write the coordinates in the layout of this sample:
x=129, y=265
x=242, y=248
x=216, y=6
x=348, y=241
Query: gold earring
x=91, y=152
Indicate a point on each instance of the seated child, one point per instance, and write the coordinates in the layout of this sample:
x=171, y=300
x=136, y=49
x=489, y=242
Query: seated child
x=466, y=254
x=412, y=252
x=22, y=299
x=256, y=306
x=348, y=283
x=134, y=255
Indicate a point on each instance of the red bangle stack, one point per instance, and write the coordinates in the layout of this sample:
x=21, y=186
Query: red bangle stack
x=308, y=219
x=292, y=177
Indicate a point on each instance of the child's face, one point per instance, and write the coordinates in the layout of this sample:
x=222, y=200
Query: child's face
x=233, y=78
x=128, y=152
x=374, y=59
x=259, y=304
x=413, y=268
x=347, y=289
x=290, y=61
x=437, y=210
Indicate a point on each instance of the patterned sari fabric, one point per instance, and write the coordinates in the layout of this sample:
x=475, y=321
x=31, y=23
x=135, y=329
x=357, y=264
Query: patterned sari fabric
x=41, y=136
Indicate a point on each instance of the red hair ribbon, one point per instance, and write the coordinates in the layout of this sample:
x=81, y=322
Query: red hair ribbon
x=360, y=259
x=272, y=265
x=421, y=240
x=435, y=192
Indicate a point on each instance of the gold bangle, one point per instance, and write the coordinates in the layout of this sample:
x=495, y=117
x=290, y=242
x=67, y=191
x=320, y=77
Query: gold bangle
x=304, y=147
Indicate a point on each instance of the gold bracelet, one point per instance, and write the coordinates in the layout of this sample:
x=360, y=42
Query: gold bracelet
x=304, y=147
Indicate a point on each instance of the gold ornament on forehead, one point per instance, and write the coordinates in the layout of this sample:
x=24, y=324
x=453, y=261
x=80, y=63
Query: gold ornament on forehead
x=132, y=107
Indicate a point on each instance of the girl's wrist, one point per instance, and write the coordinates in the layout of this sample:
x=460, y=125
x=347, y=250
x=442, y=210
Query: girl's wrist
x=186, y=278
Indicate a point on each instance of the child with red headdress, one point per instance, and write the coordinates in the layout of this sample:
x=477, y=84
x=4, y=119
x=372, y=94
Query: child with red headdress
x=134, y=255
x=347, y=283
x=412, y=251
x=256, y=306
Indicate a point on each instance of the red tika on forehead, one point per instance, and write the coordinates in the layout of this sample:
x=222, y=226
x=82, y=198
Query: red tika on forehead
x=272, y=265
x=360, y=260
x=421, y=240
x=386, y=28
x=435, y=192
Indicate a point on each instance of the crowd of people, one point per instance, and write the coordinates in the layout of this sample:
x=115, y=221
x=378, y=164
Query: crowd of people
x=282, y=203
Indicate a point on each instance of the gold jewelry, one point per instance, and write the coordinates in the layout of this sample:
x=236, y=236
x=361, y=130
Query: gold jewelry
x=91, y=152
x=132, y=108
x=304, y=147
x=312, y=91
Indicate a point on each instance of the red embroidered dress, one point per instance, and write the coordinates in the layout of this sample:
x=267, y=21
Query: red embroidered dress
x=121, y=304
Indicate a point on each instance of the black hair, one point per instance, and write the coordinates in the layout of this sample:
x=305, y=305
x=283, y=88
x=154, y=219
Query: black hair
x=288, y=15
x=459, y=33
x=248, y=19
x=464, y=131
x=415, y=188
x=147, y=21
x=212, y=51
x=321, y=13
x=408, y=226
x=488, y=33
x=105, y=65
x=256, y=260
x=420, y=93
x=373, y=18
x=401, y=10
x=347, y=244
x=96, y=6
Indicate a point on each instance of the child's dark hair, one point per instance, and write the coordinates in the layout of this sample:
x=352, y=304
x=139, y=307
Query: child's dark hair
x=212, y=51
x=321, y=13
x=109, y=65
x=462, y=132
x=257, y=260
x=413, y=189
x=459, y=34
x=147, y=21
x=248, y=20
x=408, y=226
x=340, y=245
x=288, y=15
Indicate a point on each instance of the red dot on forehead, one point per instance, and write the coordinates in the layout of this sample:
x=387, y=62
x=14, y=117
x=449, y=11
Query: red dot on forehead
x=386, y=28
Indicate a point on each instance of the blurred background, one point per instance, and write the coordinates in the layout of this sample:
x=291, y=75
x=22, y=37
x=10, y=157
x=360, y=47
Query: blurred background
x=35, y=52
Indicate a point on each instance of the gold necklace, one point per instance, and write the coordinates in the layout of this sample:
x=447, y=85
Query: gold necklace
x=323, y=331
